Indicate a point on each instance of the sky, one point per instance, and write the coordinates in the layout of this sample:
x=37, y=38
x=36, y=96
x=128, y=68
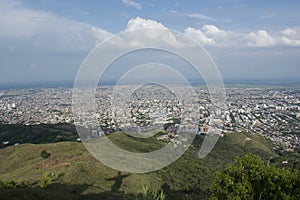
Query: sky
x=47, y=40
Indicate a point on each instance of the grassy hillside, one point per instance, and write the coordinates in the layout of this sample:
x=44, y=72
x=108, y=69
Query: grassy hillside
x=83, y=177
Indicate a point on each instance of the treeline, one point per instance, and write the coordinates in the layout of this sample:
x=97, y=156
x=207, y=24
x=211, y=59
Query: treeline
x=11, y=134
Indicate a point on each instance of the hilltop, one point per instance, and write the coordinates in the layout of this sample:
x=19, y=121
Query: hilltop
x=81, y=175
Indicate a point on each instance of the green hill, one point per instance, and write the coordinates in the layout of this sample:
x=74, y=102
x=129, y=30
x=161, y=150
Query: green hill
x=83, y=177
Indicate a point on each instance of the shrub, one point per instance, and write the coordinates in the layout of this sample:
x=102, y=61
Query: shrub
x=13, y=184
x=249, y=178
x=45, y=154
x=46, y=180
x=150, y=194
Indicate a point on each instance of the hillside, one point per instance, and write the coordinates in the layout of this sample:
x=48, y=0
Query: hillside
x=36, y=134
x=83, y=177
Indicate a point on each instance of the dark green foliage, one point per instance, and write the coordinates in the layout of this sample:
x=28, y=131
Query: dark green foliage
x=250, y=178
x=45, y=154
x=36, y=134
x=287, y=159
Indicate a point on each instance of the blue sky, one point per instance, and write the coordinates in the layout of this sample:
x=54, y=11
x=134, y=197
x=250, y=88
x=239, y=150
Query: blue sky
x=47, y=40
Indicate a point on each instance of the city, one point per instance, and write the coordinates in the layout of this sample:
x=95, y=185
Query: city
x=273, y=113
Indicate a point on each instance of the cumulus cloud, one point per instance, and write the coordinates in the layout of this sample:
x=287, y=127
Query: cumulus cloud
x=289, y=32
x=199, y=36
x=212, y=35
x=139, y=22
x=132, y=3
x=40, y=30
x=221, y=36
x=157, y=33
x=261, y=38
x=209, y=35
x=289, y=42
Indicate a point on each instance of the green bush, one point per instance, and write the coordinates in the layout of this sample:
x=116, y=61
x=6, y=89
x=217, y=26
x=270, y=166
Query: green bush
x=46, y=180
x=45, y=154
x=14, y=184
x=249, y=178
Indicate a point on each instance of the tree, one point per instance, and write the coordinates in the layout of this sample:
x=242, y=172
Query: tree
x=45, y=154
x=250, y=178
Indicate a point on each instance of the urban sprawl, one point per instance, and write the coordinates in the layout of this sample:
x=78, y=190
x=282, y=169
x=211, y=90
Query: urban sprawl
x=273, y=113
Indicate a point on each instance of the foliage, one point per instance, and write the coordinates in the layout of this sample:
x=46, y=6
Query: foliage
x=45, y=154
x=250, y=178
x=36, y=134
x=151, y=194
x=13, y=184
x=48, y=178
x=187, y=178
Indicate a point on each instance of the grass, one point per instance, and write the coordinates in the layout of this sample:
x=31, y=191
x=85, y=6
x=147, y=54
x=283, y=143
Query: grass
x=84, y=177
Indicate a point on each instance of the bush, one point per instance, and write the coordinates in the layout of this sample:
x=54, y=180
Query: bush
x=150, y=194
x=45, y=154
x=249, y=178
x=46, y=180
x=14, y=184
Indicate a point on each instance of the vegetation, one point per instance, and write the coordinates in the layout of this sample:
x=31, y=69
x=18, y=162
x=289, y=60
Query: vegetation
x=86, y=178
x=249, y=178
x=45, y=154
x=36, y=134
x=14, y=184
x=287, y=159
x=150, y=194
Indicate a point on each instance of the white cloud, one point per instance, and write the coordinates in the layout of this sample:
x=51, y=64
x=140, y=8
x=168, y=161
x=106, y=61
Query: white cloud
x=210, y=35
x=43, y=31
x=132, y=3
x=199, y=36
x=289, y=32
x=142, y=23
x=200, y=16
x=218, y=34
x=261, y=38
x=157, y=33
x=289, y=37
x=289, y=42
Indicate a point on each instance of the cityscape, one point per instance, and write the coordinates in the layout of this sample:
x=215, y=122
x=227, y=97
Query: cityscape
x=270, y=112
